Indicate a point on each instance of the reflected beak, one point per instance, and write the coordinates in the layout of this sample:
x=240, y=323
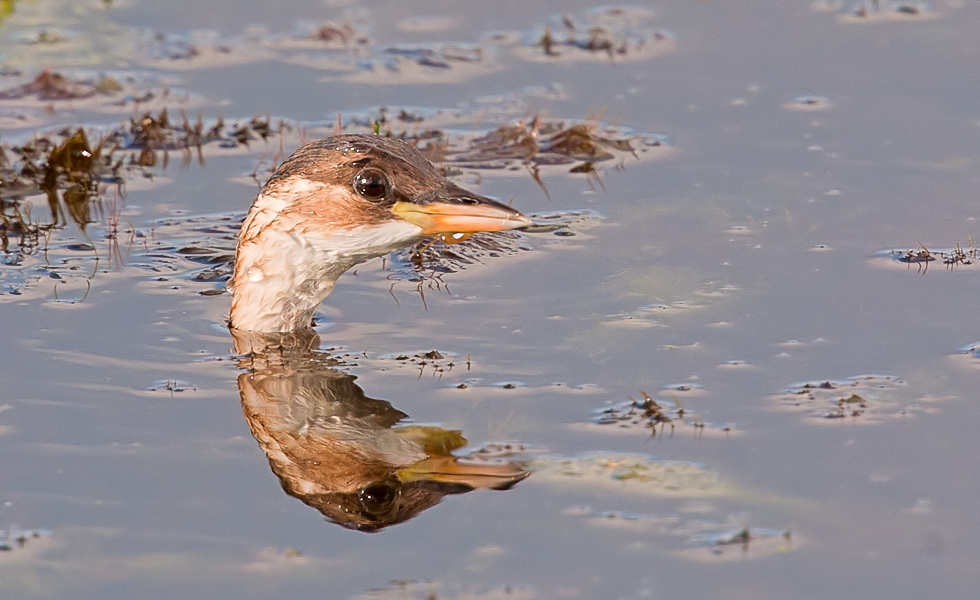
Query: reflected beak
x=454, y=210
x=450, y=470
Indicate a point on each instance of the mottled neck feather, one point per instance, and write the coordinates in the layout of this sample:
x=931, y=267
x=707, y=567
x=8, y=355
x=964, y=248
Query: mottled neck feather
x=297, y=240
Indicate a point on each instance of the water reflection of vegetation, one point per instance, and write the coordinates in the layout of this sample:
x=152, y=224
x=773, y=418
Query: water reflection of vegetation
x=349, y=456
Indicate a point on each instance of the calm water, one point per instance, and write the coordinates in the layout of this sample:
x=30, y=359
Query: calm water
x=733, y=266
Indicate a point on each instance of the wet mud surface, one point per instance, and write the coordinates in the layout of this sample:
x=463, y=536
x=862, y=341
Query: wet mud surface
x=735, y=352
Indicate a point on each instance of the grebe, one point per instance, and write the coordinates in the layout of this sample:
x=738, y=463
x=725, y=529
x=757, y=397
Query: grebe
x=335, y=203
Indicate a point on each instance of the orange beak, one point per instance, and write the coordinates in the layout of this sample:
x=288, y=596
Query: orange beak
x=454, y=210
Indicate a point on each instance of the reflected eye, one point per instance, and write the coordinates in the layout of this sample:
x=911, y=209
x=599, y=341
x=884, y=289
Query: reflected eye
x=372, y=184
x=377, y=497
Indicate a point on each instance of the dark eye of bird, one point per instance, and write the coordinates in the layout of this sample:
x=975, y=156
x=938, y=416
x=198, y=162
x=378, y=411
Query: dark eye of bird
x=377, y=497
x=372, y=184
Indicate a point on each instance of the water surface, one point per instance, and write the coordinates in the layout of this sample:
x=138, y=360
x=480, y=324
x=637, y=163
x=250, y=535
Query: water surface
x=728, y=268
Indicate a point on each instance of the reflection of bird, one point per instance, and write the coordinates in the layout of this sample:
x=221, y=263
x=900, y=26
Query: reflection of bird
x=347, y=455
x=333, y=204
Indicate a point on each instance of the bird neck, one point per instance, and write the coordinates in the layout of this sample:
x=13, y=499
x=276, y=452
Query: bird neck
x=277, y=286
x=288, y=261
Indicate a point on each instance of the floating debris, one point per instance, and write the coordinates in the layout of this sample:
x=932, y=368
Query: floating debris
x=858, y=399
x=503, y=450
x=437, y=362
x=881, y=10
x=440, y=56
x=968, y=355
x=655, y=314
x=50, y=85
x=809, y=103
x=195, y=49
x=414, y=64
x=666, y=418
x=640, y=474
x=719, y=541
x=612, y=33
x=950, y=257
x=344, y=50
x=173, y=386
x=341, y=35
x=509, y=385
x=69, y=172
x=273, y=558
x=427, y=24
x=526, y=146
x=15, y=537
x=973, y=350
x=75, y=174
x=428, y=261
x=704, y=539
x=114, y=91
x=421, y=589
x=646, y=412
